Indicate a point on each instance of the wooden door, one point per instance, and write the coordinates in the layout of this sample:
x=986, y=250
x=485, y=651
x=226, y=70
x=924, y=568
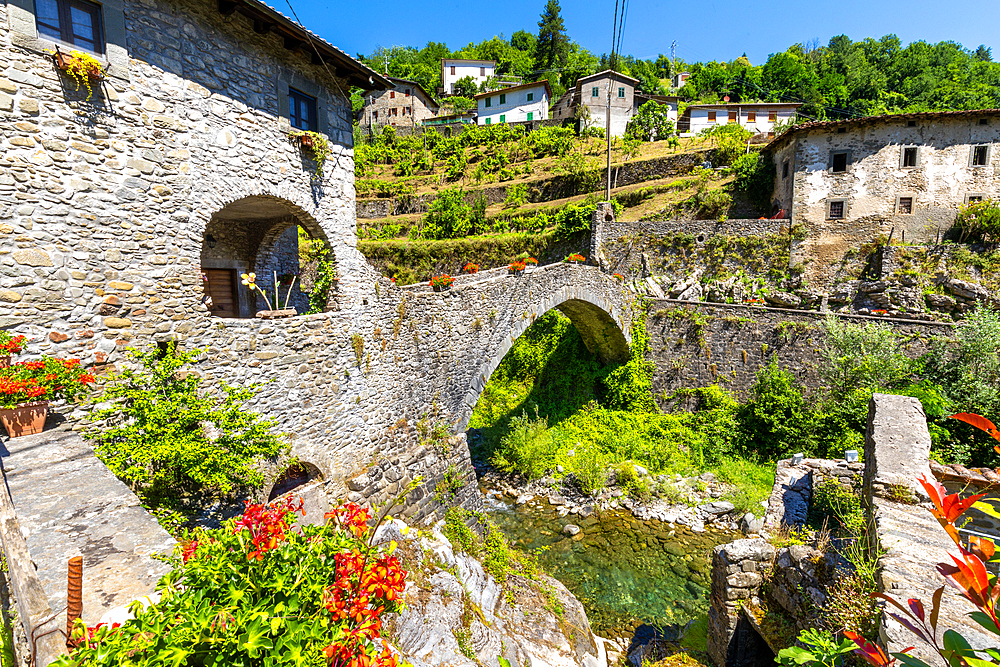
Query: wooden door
x=221, y=288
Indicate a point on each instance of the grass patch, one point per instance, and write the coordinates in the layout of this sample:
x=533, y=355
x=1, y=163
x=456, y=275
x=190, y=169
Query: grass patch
x=753, y=482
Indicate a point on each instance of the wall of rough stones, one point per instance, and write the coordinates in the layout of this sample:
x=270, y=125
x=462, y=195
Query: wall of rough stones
x=699, y=344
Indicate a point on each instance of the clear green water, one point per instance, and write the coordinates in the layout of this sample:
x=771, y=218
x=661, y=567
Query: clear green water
x=626, y=572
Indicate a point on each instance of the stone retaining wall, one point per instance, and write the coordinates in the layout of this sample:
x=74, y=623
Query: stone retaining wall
x=696, y=344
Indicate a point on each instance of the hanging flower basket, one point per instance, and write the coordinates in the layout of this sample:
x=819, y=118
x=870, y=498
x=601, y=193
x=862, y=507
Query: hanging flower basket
x=316, y=145
x=82, y=67
x=24, y=419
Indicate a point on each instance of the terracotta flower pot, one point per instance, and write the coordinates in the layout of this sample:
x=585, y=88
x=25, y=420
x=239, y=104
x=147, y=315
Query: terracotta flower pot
x=25, y=419
x=441, y=288
x=5, y=361
x=64, y=61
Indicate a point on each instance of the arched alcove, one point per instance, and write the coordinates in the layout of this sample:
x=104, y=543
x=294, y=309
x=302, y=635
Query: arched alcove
x=269, y=237
x=296, y=475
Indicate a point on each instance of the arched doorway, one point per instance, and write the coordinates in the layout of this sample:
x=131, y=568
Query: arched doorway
x=280, y=244
x=296, y=475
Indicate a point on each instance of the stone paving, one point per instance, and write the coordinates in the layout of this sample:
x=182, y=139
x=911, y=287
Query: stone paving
x=69, y=504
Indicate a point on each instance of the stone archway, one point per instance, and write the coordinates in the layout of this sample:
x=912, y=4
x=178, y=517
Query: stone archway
x=603, y=334
x=259, y=234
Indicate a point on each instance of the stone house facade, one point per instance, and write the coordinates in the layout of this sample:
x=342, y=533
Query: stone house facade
x=759, y=118
x=848, y=182
x=588, y=101
x=406, y=103
x=526, y=102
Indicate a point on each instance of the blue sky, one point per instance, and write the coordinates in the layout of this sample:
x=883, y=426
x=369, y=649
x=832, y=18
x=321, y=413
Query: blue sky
x=703, y=29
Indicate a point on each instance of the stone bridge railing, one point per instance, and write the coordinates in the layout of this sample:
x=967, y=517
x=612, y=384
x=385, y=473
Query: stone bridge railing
x=897, y=445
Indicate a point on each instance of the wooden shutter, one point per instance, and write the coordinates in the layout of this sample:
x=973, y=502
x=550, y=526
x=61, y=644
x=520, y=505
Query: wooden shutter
x=222, y=289
x=732, y=117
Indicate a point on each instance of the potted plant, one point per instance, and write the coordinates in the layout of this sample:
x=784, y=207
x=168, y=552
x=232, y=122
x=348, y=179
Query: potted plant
x=619, y=277
x=575, y=258
x=516, y=267
x=528, y=261
x=27, y=387
x=9, y=345
x=442, y=282
x=250, y=280
x=316, y=145
x=471, y=268
x=82, y=67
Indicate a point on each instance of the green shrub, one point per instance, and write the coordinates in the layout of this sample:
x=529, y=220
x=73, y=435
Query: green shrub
x=448, y=217
x=528, y=447
x=979, y=221
x=650, y=122
x=862, y=356
x=755, y=177
x=775, y=420
x=155, y=435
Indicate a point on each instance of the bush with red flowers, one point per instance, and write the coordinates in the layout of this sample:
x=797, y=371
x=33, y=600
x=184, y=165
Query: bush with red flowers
x=262, y=590
x=47, y=379
x=471, y=268
x=516, y=266
x=442, y=282
x=619, y=277
x=575, y=258
x=11, y=344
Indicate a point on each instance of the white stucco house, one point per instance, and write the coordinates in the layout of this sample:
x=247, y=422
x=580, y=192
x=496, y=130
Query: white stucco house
x=453, y=69
x=528, y=101
x=758, y=117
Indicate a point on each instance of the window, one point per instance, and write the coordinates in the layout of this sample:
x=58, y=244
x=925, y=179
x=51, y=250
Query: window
x=984, y=121
x=392, y=94
x=908, y=157
x=482, y=71
x=503, y=99
x=911, y=123
x=711, y=116
x=841, y=130
x=453, y=70
x=772, y=116
x=904, y=205
x=621, y=92
x=407, y=93
x=784, y=169
x=302, y=111
x=487, y=121
x=75, y=22
x=836, y=209
x=531, y=97
x=732, y=117
x=503, y=118
x=969, y=199
x=594, y=92
x=374, y=115
x=839, y=161
x=980, y=155
x=751, y=116
x=531, y=115
x=489, y=101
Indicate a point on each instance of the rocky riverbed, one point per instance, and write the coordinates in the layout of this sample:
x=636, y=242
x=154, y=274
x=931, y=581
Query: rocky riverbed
x=629, y=562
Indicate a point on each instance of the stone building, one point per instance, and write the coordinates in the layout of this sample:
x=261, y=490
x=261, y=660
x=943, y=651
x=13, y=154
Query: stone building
x=406, y=104
x=587, y=102
x=758, y=117
x=526, y=102
x=848, y=182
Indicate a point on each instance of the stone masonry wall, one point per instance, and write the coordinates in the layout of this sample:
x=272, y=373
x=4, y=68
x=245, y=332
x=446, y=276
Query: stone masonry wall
x=698, y=344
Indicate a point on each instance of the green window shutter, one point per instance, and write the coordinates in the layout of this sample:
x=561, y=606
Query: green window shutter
x=503, y=99
x=503, y=118
x=487, y=121
x=531, y=97
x=488, y=100
x=594, y=92
x=621, y=92
x=530, y=115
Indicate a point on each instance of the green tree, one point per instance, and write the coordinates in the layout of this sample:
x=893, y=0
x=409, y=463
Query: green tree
x=651, y=122
x=466, y=87
x=552, y=46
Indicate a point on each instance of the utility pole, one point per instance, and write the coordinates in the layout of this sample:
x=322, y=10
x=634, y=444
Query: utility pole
x=673, y=61
x=607, y=131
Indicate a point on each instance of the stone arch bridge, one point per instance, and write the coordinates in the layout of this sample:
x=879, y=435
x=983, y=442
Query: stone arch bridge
x=361, y=390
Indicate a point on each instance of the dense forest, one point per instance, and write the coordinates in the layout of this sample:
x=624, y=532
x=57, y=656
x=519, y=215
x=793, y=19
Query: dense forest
x=843, y=79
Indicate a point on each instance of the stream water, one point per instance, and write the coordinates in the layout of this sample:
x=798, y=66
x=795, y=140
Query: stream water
x=626, y=572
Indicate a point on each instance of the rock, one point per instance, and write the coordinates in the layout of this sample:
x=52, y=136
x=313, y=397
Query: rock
x=750, y=524
x=686, y=284
x=556, y=499
x=525, y=498
x=32, y=257
x=692, y=293
x=966, y=290
x=783, y=299
x=639, y=470
x=941, y=302
x=571, y=529
x=897, y=444
x=873, y=287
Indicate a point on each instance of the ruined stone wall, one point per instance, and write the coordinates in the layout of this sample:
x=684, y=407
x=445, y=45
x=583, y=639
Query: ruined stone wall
x=699, y=344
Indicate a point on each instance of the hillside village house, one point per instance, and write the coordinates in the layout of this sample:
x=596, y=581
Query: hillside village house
x=129, y=212
x=759, y=118
x=527, y=102
x=406, y=103
x=453, y=69
x=848, y=182
x=587, y=101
